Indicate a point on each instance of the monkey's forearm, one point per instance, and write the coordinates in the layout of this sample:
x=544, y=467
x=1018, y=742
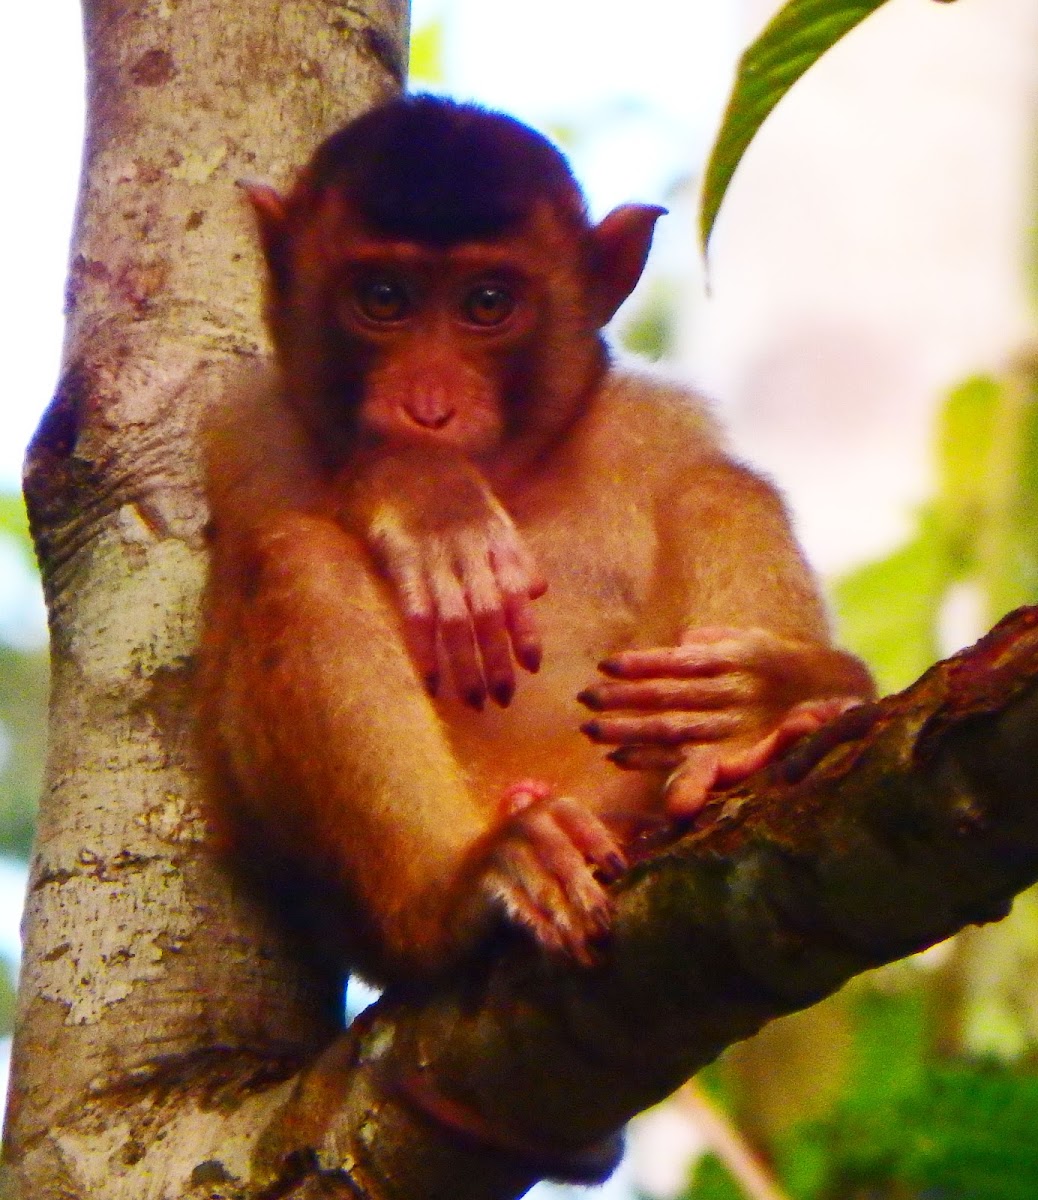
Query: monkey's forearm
x=339, y=759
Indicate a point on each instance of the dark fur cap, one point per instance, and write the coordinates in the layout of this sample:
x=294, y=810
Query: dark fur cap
x=428, y=169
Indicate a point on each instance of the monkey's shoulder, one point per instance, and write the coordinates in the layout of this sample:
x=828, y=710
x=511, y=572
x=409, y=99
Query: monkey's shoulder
x=659, y=423
x=256, y=460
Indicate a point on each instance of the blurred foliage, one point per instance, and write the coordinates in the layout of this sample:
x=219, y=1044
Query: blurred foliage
x=936, y=1096
x=980, y=530
x=7, y=997
x=23, y=706
x=23, y=727
x=649, y=329
x=426, y=65
x=712, y=1182
x=906, y=1125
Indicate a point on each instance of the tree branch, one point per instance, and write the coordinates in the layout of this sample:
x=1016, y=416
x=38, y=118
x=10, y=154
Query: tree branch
x=883, y=834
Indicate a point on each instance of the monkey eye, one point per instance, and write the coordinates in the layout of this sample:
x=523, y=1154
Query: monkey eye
x=489, y=304
x=383, y=299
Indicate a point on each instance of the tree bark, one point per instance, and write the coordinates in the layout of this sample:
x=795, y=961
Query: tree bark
x=172, y=1041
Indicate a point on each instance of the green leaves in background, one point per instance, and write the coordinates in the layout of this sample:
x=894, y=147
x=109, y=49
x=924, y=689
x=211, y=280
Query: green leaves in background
x=23, y=707
x=14, y=525
x=23, y=726
x=907, y=1127
x=979, y=530
x=911, y=1127
x=425, y=68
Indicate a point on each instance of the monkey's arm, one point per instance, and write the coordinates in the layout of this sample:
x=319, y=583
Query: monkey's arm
x=729, y=696
x=462, y=575
x=339, y=764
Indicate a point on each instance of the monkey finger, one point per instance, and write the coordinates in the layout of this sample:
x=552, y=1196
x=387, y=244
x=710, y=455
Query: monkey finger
x=483, y=598
x=666, y=729
x=520, y=582
x=409, y=583
x=492, y=643
x=566, y=914
x=420, y=633
x=533, y=908
x=459, y=649
x=523, y=631
x=661, y=662
x=661, y=695
x=489, y=627
x=686, y=791
x=801, y=720
x=563, y=837
x=646, y=758
x=455, y=629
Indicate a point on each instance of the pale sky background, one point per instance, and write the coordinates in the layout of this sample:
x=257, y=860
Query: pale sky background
x=873, y=249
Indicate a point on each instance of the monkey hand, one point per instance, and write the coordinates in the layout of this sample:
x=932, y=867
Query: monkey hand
x=719, y=705
x=548, y=866
x=707, y=767
x=461, y=572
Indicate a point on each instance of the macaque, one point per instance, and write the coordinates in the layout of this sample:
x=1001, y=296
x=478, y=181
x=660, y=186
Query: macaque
x=483, y=605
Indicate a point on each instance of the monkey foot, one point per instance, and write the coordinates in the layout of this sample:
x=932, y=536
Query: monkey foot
x=550, y=868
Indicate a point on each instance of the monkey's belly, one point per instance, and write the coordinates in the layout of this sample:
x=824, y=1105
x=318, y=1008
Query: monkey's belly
x=587, y=614
x=538, y=736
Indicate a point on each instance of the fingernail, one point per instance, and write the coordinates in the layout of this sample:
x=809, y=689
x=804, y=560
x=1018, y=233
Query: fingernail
x=503, y=691
x=432, y=683
x=530, y=658
x=475, y=698
x=589, y=699
x=591, y=729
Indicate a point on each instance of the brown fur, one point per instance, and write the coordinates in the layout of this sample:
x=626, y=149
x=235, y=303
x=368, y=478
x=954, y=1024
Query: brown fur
x=407, y=811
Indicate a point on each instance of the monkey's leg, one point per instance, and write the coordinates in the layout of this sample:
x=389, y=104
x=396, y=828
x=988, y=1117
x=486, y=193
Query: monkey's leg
x=342, y=760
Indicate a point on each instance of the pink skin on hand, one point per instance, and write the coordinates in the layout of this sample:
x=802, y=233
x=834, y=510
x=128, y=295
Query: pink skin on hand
x=697, y=709
x=466, y=596
x=707, y=768
x=549, y=868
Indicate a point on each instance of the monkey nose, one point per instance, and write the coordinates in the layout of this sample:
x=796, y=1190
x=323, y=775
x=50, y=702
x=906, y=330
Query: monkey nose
x=430, y=411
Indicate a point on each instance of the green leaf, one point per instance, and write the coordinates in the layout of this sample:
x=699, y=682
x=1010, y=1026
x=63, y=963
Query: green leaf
x=795, y=39
x=711, y=1181
x=15, y=524
x=426, y=56
x=965, y=436
x=887, y=610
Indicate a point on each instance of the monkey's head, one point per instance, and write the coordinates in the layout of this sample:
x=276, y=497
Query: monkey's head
x=434, y=277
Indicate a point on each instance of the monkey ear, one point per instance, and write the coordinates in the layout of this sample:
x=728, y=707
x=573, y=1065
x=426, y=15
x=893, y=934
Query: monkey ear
x=271, y=214
x=620, y=246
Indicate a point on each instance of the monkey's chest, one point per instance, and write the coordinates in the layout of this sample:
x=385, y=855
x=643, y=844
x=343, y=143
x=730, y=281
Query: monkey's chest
x=600, y=571
x=600, y=561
